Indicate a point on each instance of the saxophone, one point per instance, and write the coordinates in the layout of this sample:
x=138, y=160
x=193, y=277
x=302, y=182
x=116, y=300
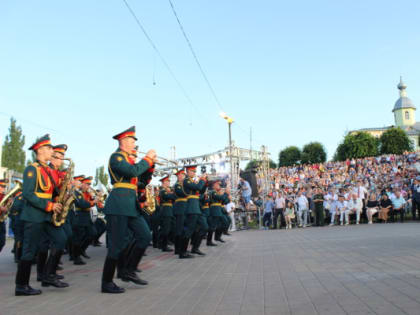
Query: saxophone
x=150, y=206
x=7, y=201
x=65, y=197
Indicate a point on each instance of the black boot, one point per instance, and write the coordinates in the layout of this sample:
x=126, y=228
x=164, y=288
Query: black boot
x=22, y=280
x=177, y=245
x=84, y=247
x=108, y=286
x=76, y=256
x=49, y=276
x=57, y=266
x=210, y=239
x=40, y=265
x=196, y=245
x=183, y=249
x=18, y=253
x=165, y=247
x=134, y=260
x=70, y=249
x=155, y=240
x=122, y=262
x=218, y=236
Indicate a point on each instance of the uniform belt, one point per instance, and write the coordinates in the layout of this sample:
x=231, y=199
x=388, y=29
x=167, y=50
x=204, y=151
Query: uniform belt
x=80, y=209
x=167, y=204
x=125, y=185
x=193, y=197
x=43, y=195
x=216, y=204
x=205, y=207
x=181, y=199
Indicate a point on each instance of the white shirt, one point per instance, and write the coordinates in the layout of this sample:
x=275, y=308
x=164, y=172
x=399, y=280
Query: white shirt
x=356, y=205
x=280, y=202
x=302, y=201
x=230, y=207
x=361, y=192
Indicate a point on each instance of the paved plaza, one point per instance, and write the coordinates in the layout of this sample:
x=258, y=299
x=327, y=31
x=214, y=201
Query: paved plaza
x=339, y=270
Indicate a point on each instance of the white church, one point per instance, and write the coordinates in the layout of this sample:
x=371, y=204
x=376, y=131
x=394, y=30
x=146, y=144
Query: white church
x=404, y=117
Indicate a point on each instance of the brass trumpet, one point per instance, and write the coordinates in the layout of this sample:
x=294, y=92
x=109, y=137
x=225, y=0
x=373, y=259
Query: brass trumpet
x=163, y=161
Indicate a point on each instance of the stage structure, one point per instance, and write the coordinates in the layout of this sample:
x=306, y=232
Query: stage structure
x=222, y=159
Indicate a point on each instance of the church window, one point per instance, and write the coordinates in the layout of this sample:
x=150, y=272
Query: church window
x=407, y=115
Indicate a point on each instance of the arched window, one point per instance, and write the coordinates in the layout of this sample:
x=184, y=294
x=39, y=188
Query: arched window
x=407, y=115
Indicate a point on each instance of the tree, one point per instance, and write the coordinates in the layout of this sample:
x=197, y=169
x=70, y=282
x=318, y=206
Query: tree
x=255, y=163
x=13, y=155
x=101, y=176
x=357, y=145
x=313, y=153
x=395, y=141
x=289, y=156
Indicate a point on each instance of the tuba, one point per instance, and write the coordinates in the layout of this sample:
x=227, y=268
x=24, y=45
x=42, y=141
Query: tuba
x=7, y=200
x=65, y=197
x=150, y=205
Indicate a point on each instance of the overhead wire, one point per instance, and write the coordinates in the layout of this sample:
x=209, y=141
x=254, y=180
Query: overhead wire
x=162, y=59
x=195, y=56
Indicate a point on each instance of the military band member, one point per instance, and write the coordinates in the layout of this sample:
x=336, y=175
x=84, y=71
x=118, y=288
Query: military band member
x=100, y=224
x=77, y=184
x=122, y=213
x=180, y=206
x=155, y=219
x=167, y=197
x=217, y=220
x=37, y=213
x=193, y=212
x=15, y=212
x=83, y=230
x=2, y=211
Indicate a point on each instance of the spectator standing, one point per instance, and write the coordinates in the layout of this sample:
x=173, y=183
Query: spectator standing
x=303, y=207
x=278, y=211
x=268, y=211
x=318, y=200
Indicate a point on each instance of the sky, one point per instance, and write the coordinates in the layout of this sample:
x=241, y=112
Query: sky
x=293, y=71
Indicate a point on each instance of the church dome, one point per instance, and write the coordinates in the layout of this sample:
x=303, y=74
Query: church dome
x=403, y=101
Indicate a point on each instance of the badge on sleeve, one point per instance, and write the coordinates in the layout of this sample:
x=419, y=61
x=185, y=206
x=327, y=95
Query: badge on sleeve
x=30, y=174
x=119, y=158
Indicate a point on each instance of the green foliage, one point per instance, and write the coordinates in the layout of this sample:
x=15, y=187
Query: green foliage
x=255, y=163
x=101, y=176
x=13, y=155
x=289, y=156
x=313, y=153
x=395, y=141
x=358, y=145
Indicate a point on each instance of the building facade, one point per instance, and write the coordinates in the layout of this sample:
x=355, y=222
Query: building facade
x=404, y=117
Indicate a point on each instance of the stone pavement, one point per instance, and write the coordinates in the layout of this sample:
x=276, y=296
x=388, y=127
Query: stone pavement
x=339, y=270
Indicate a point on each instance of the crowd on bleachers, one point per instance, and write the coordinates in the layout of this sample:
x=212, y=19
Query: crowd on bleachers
x=369, y=190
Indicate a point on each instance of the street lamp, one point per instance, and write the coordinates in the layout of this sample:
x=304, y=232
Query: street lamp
x=229, y=121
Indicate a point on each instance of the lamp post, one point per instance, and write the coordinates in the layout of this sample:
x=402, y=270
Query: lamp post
x=229, y=121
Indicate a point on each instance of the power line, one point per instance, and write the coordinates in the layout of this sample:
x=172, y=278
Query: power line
x=149, y=39
x=195, y=56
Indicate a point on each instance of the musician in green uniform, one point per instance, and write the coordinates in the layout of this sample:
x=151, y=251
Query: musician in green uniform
x=3, y=210
x=77, y=184
x=155, y=219
x=122, y=212
x=37, y=214
x=179, y=209
x=167, y=197
x=82, y=223
x=15, y=212
x=217, y=220
x=193, y=213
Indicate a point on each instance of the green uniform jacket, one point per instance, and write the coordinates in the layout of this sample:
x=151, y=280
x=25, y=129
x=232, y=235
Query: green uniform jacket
x=180, y=205
x=82, y=210
x=193, y=194
x=123, y=198
x=216, y=202
x=17, y=207
x=37, y=192
x=166, y=198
